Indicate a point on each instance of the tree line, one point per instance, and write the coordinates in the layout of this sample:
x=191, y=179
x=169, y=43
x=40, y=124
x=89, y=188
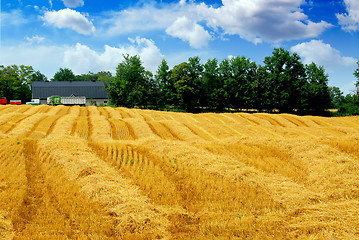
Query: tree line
x=282, y=84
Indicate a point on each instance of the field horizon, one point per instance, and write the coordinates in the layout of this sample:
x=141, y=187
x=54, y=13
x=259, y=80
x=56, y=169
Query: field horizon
x=118, y=173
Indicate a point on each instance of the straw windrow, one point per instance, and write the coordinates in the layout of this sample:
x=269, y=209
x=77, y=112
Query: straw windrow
x=118, y=173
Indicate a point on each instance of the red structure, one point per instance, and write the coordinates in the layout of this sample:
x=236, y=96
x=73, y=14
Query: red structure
x=3, y=101
x=15, y=102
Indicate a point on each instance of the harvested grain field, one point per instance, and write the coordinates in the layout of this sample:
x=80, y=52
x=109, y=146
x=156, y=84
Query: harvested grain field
x=117, y=173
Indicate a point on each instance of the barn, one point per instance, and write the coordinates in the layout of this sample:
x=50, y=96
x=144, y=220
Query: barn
x=94, y=92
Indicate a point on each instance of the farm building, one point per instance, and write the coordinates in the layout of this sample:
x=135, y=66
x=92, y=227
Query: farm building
x=94, y=92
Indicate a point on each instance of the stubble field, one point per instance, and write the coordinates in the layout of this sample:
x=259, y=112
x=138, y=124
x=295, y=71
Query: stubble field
x=117, y=173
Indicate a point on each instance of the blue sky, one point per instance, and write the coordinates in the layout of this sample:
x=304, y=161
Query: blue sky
x=88, y=35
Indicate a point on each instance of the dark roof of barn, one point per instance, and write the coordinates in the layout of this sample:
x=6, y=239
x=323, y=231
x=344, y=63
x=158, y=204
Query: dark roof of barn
x=42, y=90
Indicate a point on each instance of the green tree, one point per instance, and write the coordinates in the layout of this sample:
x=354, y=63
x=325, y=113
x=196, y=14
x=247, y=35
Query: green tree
x=196, y=73
x=262, y=95
x=165, y=85
x=15, y=82
x=131, y=86
x=349, y=105
x=318, y=91
x=153, y=91
x=26, y=77
x=38, y=77
x=90, y=76
x=238, y=85
x=196, y=68
x=185, y=86
x=336, y=96
x=225, y=74
x=25, y=73
x=288, y=81
x=7, y=78
x=214, y=93
x=64, y=74
x=356, y=74
x=104, y=76
x=249, y=93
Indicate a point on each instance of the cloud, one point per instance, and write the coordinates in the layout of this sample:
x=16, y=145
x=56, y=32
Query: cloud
x=35, y=39
x=258, y=20
x=68, y=18
x=146, y=18
x=322, y=54
x=73, y=3
x=254, y=20
x=350, y=21
x=14, y=17
x=182, y=2
x=47, y=59
x=82, y=59
x=189, y=31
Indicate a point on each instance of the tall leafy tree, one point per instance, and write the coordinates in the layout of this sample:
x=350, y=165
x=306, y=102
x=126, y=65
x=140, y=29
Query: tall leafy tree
x=153, y=91
x=165, y=85
x=185, y=86
x=25, y=73
x=237, y=86
x=104, y=76
x=319, y=96
x=352, y=100
x=349, y=105
x=214, y=93
x=288, y=80
x=38, y=77
x=262, y=95
x=196, y=68
x=7, y=79
x=130, y=87
x=356, y=74
x=163, y=75
x=249, y=93
x=196, y=73
x=225, y=74
x=64, y=74
x=336, y=96
x=15, y=82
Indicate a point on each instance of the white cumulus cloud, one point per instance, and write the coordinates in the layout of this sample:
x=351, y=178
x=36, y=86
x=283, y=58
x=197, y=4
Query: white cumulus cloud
x=323, y=54
x=350, y=21
x=254, y=20
x=73, y=3
x=258, y=20
x=82, y=59
x=189, y=31
x=35, y=39
x=47, y=59
x=146, y=18
x=68, y=18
